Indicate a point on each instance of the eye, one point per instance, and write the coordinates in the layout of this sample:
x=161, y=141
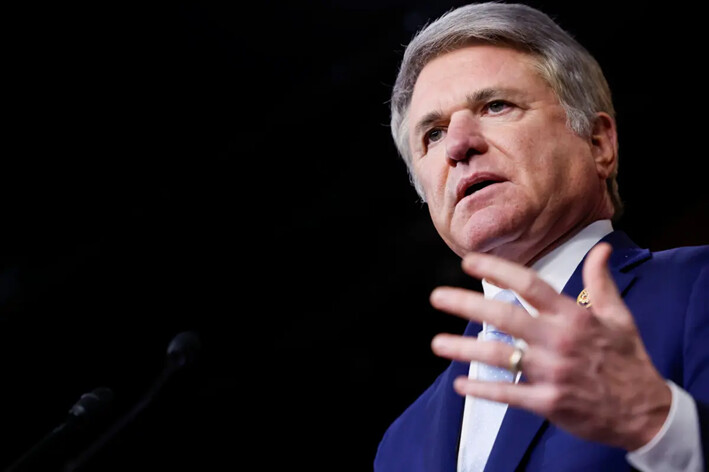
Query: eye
x=434, y=135
x=496, y=107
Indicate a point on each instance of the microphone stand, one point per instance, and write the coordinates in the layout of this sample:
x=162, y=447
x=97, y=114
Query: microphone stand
x=181, y=352
x=82, y=415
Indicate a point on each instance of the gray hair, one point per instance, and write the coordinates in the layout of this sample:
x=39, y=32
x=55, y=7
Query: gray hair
x=572, y=73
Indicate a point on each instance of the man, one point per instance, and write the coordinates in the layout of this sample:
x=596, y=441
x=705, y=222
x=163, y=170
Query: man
x=508, y=130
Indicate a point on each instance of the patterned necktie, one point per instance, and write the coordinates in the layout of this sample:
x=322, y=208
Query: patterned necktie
x=482, y=418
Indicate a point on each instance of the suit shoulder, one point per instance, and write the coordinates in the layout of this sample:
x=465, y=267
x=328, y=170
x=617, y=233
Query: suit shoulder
x=678, y=269
x=683, y=258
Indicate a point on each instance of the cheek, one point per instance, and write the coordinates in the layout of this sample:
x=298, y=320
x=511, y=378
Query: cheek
x=550, y=160
x=565, y=175
x=431, y=178
x=531, y=161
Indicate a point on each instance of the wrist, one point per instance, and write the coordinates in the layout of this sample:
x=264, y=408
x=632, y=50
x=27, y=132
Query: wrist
x=651, y=417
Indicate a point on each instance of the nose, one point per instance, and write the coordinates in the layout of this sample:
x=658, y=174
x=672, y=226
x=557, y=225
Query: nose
x=464, y=137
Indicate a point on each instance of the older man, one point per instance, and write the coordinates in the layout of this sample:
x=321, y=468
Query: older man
x=596, y=359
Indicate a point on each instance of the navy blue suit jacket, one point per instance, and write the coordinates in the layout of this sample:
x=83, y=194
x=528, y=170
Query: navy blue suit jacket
x=668, y=294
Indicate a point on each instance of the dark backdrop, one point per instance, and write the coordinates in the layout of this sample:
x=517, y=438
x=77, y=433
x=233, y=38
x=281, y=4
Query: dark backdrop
x=229, y=170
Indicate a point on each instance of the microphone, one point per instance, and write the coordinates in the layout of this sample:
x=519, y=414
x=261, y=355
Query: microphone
x=82, y=415
x=181, y=353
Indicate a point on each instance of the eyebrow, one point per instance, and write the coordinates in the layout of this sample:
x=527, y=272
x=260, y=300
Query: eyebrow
x=472, y=101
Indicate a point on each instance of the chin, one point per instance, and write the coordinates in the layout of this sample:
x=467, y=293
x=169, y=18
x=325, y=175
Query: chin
x=489, y=234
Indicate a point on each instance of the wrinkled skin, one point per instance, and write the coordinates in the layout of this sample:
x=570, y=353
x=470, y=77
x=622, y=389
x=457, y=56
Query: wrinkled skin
x=482, y=115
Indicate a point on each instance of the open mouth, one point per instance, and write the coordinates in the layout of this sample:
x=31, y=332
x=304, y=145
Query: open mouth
x=479, y=186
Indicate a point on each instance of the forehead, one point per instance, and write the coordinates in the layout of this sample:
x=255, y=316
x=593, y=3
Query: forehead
x=472, y=68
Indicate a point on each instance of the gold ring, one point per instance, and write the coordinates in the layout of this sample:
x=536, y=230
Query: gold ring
x=516, y=360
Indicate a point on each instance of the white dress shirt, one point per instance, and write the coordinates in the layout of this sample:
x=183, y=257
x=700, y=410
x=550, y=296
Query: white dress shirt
x=676, y=447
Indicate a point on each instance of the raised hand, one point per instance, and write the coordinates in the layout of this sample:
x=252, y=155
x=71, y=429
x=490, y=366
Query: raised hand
x=586, y=368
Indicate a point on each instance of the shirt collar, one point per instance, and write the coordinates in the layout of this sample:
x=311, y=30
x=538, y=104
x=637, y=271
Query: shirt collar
x=557, y=267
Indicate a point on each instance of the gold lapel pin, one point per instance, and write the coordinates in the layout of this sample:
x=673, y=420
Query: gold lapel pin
x=583, y=299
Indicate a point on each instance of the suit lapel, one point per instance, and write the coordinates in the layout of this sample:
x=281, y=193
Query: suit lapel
x=444, y=455
x=517, y=432
x=519, y=428
x=625, y=255
x=444, y=416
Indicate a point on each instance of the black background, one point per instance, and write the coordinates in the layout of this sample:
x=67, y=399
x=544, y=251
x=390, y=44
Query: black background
x=229, y=170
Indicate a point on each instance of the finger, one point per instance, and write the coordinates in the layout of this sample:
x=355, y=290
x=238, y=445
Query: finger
x=537, y=364
x=601, y=287
x=520, y=279
x=512, y=319
x=533, y=397
x=461, y=348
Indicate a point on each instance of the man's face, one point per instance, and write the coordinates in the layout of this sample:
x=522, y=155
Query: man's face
x=501, y=171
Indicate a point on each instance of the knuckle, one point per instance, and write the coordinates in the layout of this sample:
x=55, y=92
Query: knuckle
x=464, y=351
x=564, y=342
x=555, y=399
x=499, y=392
x=560, y=373
x=583, y=318
x=509, y=312
x=494, y=353
x=528, y=284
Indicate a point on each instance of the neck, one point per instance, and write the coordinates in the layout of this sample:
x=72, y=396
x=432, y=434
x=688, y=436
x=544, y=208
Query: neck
x=551, y=241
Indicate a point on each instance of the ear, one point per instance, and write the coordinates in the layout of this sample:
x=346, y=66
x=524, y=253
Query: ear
x=604, y=144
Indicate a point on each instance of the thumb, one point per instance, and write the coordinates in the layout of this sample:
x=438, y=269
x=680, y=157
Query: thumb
x=603, y=293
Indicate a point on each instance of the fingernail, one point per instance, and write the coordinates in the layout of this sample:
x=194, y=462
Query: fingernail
x=460, y=383
x=440, y=343
x=469, y=260
x=437, y=294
